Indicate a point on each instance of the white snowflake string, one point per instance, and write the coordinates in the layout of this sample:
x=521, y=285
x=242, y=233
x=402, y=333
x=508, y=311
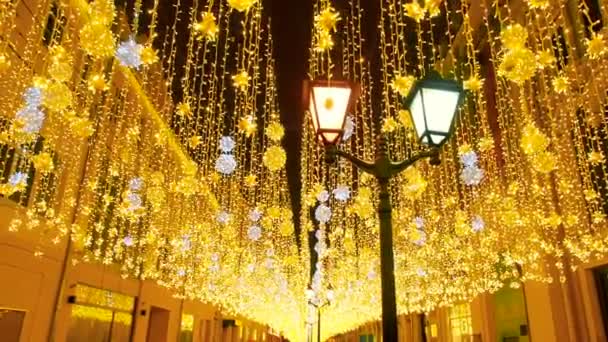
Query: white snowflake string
x=215, y=257
x=227, y=144
x=471, y=175
x=323, y=213
x=254, y=233
x=128, y=241
x=419, y=222
x=33, y=97
x=32, y=118
x=342, y=193
x=477, y=224
x=420, y=272
x=225, y=164
x=269, y=263
x=422, y=240
x=371, y=275
x=181, y=272
x=223, y=217
x=349, y=128
x=186, y=243
x=136, y=184
x=469, y=159
x=134, y=201
x=128, y=53
x=323, y=196
x=255, y=215
x=18, y=179
x=250, y=268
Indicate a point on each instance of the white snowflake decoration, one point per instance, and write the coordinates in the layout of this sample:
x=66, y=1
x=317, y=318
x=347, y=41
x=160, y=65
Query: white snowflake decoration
x=477, y=224
x=320, y=234
x=33, y=96
x=342, y=193
x=371, y=275
x=349, y=128
x=323, y=196
x=128, y=241
x=422, y=240
x=18, y=179
x=255, y=215
x=420, y=272
x=134, y=201
x=270, y=252
x=225, y=164
x=419, y=222
x=32, y=118
x=469, y=159
x=250, y=268
x=128, y=53
x=471, y=175
x=181, y=272
x=269, y=263
x=215, y=257
x=223, y=217
x=136, y=184
x=254, y=233
x=186, y=243
x=227, y=144
x=323, y=213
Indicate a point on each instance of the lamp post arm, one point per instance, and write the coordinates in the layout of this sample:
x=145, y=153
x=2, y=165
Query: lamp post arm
x=364, y=166
x=397, y=167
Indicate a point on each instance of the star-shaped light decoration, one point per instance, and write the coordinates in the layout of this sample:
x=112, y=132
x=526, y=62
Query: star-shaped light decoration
x=389, y=125
x=148, y=55
x=241, y=5
x=183, y=109
x=414, y=11
x=241, y=80
x=402, y=84
x=596, y=46
x=545, y=59
x=327, y=19
x=561, y=84
x=97, y=83
x=275, y=131
x=473, y=83
x=194, y=141
x=206, y=28
x=248, y=126
x=324, y=41
x=251, y=180
x=538, y=4
x=595, y=157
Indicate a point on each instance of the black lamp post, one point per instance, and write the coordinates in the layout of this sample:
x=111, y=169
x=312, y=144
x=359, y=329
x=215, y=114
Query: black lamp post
x=318, y=304
x=433, y=103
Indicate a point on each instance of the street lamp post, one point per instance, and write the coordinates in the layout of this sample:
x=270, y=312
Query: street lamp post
x=433, y=103
x=318, y=304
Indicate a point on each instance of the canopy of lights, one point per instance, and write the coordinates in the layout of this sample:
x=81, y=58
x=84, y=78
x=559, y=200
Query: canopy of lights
x=161, y=155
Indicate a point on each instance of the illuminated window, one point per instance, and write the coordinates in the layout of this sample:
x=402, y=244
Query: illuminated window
x=461, y=323
x=187, y=327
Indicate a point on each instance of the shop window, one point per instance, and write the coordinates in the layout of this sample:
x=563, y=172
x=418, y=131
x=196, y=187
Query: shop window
x=461, y=323
x=11, y=323
x=100, y=316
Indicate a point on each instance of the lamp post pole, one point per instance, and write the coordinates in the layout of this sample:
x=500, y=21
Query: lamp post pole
x=383, y=168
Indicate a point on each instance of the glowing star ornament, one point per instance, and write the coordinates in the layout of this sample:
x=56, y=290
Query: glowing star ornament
x=389, y=125
x=183, y=109
x=473, y=83
x=341, y=193
x=241, y=5
x=323, y=196
x=241, y=80
x=128, y=54
x=595, y=158
x=596, y=46
x=207, y=28
x=538, y=4
x=402, y=84
x=561, y=84
x=255, y=215
x=327, y=19
x=248, y=126
x=471, y=175
x=514, y=37
x=414, y=10
x=128, y=241
x=324, y=41
x=323, y=213
x=97, y=83
x=96, y=39
x=545, y=59
x=43, y=162
x=148, y=55
x=254, y=233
